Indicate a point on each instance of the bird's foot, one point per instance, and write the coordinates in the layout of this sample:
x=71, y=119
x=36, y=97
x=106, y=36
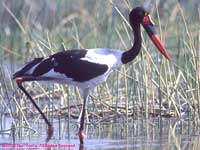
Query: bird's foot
x=81, y=147
x=49, y=133
x=82, y=136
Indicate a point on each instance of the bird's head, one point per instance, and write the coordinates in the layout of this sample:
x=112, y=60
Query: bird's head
x=138, y=16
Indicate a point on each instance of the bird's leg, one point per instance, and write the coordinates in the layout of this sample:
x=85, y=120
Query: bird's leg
x=19, y=81
x=82, y=118
x=81, y=128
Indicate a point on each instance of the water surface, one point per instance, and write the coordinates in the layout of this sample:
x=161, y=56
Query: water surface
x=142, y=134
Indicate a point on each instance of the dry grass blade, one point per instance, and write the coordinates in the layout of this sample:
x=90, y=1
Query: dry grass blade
x=14, y=17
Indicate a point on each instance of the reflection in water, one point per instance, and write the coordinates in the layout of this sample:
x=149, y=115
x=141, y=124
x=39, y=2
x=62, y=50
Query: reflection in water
x=151, y=134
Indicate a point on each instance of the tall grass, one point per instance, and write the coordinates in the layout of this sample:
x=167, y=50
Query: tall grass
x=149, y=86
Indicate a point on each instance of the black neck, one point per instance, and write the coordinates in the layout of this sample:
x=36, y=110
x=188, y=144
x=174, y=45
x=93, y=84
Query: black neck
x=129, y=55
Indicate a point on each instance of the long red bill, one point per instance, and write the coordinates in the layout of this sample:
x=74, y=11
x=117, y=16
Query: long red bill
x=159, y=45
x=151, y=30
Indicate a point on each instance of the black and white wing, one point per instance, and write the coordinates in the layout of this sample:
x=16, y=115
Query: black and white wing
x=64, y=65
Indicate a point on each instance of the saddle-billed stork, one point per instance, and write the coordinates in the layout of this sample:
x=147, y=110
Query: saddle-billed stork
x=86, y=68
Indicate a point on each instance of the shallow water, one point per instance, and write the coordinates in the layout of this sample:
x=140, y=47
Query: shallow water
x=151, y=134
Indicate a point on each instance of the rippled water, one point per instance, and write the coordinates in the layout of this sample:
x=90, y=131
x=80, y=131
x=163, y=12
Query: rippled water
x=151, y=134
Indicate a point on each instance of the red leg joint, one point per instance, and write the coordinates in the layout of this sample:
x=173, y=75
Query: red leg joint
x=19, y=81
x=81, y=136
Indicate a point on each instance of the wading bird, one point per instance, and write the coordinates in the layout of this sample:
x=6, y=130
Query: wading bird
x=86, y=68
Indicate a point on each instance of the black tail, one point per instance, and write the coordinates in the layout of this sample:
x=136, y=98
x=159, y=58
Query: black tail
x=26, y=67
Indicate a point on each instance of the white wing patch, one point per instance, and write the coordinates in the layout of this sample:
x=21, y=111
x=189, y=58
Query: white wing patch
x=110, y=57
